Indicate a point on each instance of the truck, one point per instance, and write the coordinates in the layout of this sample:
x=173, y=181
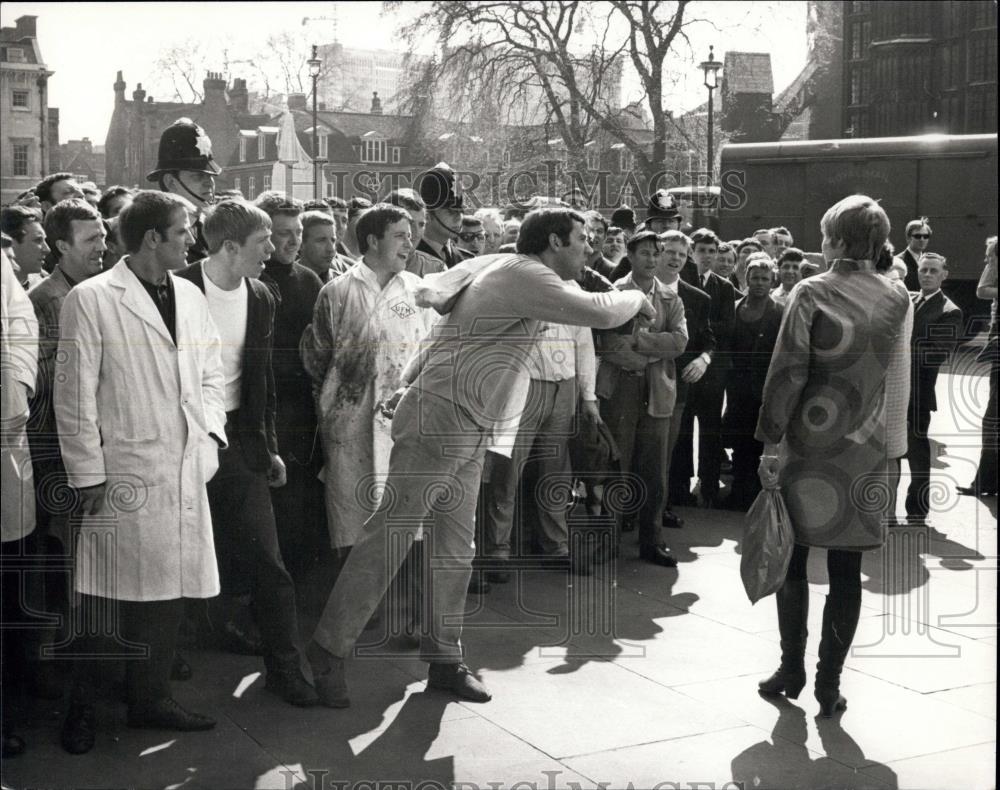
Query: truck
x=950, y=179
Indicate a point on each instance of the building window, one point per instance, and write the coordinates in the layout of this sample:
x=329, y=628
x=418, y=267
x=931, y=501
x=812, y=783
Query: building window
x=859, y=85
x=251, y=188
x=395, y=154
x=243, y=149
x=20, y=100
x=267, y=183
x=373, y=151
x=983, y=15
x=982, y=58
x=505, y=158
x=237, y=183
x=624, y=160
x=21, y=153
x=593, y=158
x=329, y=189
x=261, y=146
x=15, y=55
x=323, y=146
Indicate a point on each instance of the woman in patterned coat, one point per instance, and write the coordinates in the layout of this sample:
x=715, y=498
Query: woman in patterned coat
x=823, y=426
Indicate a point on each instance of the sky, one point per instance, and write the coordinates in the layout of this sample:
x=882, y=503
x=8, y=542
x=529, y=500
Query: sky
x=85, y=44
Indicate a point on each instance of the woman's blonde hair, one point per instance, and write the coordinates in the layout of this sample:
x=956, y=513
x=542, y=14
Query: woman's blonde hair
x=860, y=224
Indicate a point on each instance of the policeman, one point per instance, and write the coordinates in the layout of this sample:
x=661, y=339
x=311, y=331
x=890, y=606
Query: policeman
x=185, y=167
x=662, y=214
x=439, y=190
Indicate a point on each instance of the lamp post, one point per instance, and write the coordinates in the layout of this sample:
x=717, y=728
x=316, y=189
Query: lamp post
x=314, y=65
x=711, y=69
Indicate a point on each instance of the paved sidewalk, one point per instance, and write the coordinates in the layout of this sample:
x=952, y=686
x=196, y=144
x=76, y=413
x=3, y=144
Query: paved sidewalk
x=635, y=676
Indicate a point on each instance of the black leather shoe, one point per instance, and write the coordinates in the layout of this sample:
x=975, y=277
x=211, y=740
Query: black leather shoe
x=239, y=640
x=181, y=669
x=167, y=714
x=658, y=555
x=291, y=687
x=13, y=745
x=44, y=681
x=975, y=490
x=77, y=736
x=671, y=520
x=459, y=680
x=478, y=584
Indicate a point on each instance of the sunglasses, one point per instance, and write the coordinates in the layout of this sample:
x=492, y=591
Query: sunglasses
x=472, y=236
x=920, y=235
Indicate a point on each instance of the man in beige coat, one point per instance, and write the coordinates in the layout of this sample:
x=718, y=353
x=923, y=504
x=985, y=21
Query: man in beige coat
x=140, y=414
x=469, y=379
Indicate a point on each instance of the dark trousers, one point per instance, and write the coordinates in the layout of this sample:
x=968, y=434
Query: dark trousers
x=300, y=515
x=704, y=403
x=143, y=634
x=919, y=456
x=986, y=476
x=246, y=548
x=746, y=460
x=642, y=442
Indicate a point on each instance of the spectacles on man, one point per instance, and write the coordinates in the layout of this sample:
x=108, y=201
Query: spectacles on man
x=920, y=235
x=472, y=236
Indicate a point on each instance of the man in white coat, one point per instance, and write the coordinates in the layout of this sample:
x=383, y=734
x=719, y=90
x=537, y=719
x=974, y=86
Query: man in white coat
x=140, y=412
x=18, y=369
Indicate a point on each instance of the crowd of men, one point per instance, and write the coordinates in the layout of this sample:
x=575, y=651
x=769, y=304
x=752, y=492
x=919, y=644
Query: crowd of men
x=216, y=390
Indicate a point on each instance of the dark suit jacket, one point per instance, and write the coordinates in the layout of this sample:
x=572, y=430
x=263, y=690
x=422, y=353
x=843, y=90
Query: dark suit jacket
x=937, y=327
x=911, y=281
x=258, y=402
x=697, y=308
x=722, y=317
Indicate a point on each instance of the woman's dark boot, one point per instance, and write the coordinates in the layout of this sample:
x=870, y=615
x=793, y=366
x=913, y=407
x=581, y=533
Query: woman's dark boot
x=840, y=621
x=793, y=611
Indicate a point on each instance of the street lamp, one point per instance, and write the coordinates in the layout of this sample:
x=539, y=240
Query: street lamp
x=711, y=69
x=314, y=65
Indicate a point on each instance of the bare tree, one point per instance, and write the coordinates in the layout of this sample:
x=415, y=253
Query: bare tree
x=558, y=63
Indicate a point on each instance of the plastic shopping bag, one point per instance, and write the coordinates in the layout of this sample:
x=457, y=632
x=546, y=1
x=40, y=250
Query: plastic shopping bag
x=767, y=545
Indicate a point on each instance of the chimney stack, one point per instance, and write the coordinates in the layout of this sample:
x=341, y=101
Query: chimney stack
x=119, y=89
x=215, y=88
x=376, y=104
x=138, y=95
x=25, y=26
x=239, y=98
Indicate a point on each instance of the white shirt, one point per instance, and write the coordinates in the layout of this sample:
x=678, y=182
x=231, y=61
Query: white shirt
x=671, y=286
x=229, y=312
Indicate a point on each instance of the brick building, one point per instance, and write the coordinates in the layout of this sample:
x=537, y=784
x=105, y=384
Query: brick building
x=136, y=125
x=30, y=128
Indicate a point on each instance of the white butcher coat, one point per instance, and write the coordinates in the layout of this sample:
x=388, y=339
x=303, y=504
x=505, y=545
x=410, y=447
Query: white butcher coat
x=355, y=350
x=135, y=411
x=19, y=367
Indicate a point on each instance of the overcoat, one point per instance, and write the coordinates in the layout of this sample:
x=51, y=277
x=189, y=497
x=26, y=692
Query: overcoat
x=135, y=411
x=19, y=367
x=824, y=401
